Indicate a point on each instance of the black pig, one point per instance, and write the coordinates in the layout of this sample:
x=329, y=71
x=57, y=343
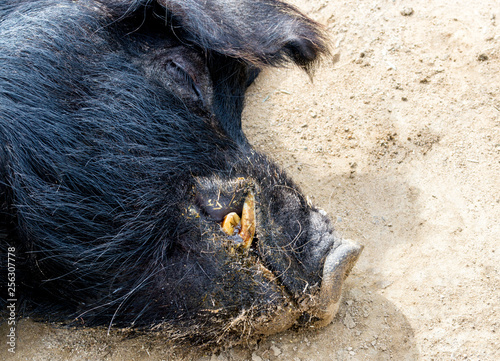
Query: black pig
x=129, y=195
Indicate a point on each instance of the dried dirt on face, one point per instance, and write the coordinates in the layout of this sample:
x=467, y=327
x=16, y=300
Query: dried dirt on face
x=398, y=139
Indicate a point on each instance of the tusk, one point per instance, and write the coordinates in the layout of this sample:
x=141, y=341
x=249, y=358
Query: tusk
x=230, y=222
x=248, y=221
x=243, y=229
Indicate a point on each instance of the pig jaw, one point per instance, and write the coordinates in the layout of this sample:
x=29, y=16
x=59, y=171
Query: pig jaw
x=329, y=257
x=316, y=310
x=303, y=282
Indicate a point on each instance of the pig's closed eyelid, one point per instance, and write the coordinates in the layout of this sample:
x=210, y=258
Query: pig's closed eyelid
x=178, y=72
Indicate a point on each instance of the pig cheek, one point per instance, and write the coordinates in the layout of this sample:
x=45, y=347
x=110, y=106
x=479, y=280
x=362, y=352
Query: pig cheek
x=238, y=279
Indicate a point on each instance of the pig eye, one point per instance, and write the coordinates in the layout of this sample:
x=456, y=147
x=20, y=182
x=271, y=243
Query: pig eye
x=182, y=78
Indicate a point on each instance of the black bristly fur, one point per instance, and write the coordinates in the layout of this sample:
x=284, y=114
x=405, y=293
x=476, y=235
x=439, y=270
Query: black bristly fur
x=102, y=145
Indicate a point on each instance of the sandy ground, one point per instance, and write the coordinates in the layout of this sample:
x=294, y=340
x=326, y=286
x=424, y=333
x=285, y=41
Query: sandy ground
x=398, y=139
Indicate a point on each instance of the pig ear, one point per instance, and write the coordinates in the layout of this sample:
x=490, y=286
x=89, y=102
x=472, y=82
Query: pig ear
x=261, y=32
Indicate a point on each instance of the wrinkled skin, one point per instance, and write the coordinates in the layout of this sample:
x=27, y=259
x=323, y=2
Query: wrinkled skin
x=121, y=153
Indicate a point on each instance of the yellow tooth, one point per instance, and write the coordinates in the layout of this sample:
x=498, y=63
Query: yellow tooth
x=248, y=221
x=230, y=222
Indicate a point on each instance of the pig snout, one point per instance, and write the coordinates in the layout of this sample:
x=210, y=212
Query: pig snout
x=338, y=265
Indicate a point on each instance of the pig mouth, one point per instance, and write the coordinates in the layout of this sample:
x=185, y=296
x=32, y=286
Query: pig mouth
x=240, y=219
x=242, y=229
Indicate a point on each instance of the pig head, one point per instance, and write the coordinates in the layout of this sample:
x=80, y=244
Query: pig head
x=127, y=187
